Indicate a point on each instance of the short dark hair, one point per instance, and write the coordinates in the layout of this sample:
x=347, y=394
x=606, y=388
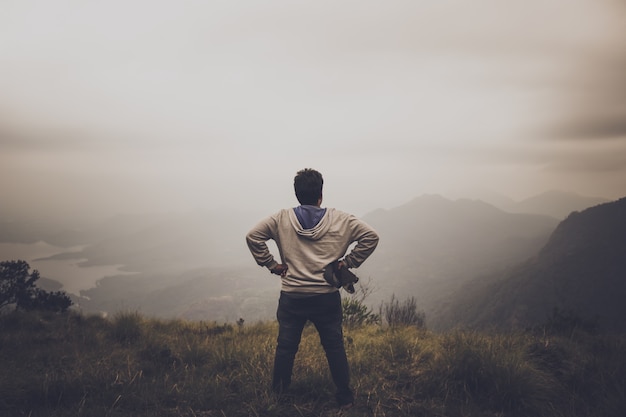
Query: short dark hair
x=308, y=185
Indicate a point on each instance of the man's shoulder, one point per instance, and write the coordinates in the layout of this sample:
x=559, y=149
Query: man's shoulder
x=342, y=213
x=276, y=216
x=338, y=215
x=281, y=212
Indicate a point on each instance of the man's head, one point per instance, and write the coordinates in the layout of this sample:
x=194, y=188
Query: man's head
x=308, y=185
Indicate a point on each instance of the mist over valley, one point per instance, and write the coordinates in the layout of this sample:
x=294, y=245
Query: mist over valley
x=195, y=265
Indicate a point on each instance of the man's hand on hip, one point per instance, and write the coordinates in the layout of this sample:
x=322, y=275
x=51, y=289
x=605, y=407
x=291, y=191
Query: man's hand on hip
x=280, y=269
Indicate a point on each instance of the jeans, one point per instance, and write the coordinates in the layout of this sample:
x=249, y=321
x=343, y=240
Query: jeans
x=325, y=312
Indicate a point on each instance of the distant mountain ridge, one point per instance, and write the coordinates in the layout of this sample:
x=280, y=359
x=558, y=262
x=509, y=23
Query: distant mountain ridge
x=431, y=245
x=582, y=269
x=554, y=203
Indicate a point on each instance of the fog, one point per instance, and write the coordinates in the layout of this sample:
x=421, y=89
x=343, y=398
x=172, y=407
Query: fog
x=131, y=106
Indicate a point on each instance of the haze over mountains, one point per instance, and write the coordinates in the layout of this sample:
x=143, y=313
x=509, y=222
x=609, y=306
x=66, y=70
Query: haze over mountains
x=581, y=269
x=196, y=265
x=553, y=203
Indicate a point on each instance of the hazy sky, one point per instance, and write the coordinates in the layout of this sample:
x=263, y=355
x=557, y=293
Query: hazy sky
x=109, y=106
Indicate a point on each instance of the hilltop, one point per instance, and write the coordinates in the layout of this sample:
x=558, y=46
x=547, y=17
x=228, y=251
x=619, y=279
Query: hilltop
x=133, y=366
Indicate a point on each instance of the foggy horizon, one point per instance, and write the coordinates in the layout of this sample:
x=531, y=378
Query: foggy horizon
x=158, y=106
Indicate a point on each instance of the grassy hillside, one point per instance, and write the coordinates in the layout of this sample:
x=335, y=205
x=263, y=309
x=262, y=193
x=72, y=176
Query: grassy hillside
x=129, y=365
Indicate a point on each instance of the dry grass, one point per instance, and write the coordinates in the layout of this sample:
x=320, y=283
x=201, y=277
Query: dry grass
x=129, y=365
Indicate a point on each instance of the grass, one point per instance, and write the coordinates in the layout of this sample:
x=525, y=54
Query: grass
x=130, y=365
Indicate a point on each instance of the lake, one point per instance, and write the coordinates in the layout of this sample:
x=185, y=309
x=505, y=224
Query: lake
x=73, y=277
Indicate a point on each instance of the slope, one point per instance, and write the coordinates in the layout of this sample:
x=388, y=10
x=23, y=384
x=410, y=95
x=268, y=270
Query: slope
x=432, y=245
x=581, y=269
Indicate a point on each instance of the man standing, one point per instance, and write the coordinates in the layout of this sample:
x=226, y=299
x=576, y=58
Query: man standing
x=309, y=239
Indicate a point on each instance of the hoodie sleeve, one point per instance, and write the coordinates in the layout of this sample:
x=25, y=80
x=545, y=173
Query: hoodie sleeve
x=367, y=240
x=256, y=240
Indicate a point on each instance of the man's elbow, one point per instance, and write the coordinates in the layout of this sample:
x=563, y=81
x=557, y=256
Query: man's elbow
x=252, y=238
x=373, y=238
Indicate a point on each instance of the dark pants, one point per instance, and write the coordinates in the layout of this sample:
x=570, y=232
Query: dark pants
x=324, y=311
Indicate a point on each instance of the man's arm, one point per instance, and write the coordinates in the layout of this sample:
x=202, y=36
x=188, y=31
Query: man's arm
x=256, y=240
x=367, y=240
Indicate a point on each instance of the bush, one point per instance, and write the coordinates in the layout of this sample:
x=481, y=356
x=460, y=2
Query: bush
x=567, y=323
x=492, y=371
x=127, y=327
x=356, y=313
x=396, y=313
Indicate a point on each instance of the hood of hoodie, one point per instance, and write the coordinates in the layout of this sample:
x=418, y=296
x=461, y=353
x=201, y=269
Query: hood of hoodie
x=317, y=231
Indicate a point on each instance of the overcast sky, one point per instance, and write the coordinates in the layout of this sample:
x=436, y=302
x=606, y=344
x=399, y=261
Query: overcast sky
x=113, y=106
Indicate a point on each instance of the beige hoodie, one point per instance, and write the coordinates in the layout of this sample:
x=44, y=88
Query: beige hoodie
x=307, y=252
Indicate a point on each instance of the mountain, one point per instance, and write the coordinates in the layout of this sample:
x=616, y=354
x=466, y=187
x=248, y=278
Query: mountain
x=581, y=269
x=431, y=245
x=557, y=204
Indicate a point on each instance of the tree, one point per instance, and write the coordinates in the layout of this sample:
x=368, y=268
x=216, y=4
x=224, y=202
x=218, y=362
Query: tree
x=17, y=287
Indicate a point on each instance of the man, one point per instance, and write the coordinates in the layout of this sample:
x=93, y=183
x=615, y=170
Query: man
x=309, y=239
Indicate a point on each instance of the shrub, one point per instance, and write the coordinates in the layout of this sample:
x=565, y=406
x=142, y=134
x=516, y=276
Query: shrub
x=492, y=371
x=404, y=313
x=567, y=323
x=127, y=327
x=356, y=313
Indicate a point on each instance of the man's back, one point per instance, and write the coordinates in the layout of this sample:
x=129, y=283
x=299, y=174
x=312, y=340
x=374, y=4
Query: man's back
x=307, y=252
